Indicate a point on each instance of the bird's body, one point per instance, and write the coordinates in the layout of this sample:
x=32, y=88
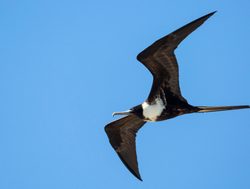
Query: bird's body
x=159, y=109
x=165, y=100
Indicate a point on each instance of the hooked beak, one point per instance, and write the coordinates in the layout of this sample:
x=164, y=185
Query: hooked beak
x=128, y=112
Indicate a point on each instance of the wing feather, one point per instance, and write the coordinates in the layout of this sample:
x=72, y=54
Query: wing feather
x=122, y=134
x=160, y=59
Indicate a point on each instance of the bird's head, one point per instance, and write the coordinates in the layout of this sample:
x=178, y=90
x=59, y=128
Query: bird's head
x=137, y=110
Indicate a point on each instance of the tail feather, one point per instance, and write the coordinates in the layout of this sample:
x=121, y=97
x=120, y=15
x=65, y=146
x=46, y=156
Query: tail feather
x=220, y=108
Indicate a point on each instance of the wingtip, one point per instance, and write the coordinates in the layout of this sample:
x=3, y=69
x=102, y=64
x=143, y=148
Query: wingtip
x=209, y=15
x=137, y=175
x=140, y=178
x=134, y=171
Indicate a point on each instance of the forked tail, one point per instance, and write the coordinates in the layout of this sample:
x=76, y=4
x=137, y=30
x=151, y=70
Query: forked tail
x=220, y=108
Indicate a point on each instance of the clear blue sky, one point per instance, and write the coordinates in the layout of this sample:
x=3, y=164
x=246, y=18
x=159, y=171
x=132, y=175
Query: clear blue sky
x=65, y=66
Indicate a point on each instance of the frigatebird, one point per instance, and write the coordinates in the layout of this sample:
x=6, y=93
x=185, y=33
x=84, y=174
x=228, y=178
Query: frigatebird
x=164, y=101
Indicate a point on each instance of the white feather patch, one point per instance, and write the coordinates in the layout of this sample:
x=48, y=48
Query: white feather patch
x=152, y=111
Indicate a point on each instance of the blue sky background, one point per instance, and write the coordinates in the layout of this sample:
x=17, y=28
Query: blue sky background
x=65, y=66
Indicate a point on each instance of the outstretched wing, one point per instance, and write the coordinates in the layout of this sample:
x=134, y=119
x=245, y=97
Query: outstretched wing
x=121, y=134
x=160, y=59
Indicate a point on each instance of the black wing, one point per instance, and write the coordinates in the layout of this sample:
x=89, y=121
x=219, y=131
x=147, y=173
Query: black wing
x=160, y=59
x=122, y=133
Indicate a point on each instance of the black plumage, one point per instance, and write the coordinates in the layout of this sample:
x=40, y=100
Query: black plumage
x=165, y=100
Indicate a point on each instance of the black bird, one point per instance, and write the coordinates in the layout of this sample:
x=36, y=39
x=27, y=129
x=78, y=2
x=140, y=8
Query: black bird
x=164, y=101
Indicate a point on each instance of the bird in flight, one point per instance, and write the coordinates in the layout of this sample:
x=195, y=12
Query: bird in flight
x=164, y=101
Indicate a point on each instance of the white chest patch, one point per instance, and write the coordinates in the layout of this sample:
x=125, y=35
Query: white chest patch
x=152, y=111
